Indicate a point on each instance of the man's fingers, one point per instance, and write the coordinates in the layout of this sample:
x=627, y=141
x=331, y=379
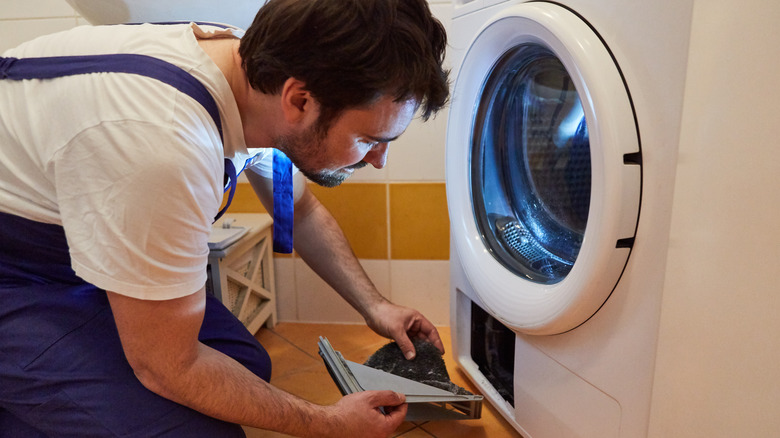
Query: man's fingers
x=428, y=332
x=396, y=413
x=406, y=346
x=386, y=398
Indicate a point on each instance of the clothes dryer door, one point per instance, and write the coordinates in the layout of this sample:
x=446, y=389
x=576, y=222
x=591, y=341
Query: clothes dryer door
x=543, y=169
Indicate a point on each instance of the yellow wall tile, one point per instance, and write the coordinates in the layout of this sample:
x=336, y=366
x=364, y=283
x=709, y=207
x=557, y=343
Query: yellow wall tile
x=244, y=201
x=419, y=222
x=361, y=211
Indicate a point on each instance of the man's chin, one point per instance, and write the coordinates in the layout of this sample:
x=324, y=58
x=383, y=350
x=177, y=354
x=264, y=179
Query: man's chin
x=328, y=179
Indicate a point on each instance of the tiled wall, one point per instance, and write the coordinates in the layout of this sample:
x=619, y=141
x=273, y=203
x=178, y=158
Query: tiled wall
x=398, y=230
x=22, y=20
x=395, y=218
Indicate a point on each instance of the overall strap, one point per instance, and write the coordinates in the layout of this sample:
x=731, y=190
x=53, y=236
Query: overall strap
x=283, y=203
x=59, y=66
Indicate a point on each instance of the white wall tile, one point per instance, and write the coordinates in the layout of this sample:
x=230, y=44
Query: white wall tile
x=418, y=155
x=15, y=32
x=423, y=285
x=16, y=9
x=286, y=299
x=318, y=302
x=420, y=284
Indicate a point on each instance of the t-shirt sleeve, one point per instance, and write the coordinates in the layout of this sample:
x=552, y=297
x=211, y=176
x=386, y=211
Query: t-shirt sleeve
x=137, y=200
x=262, y=162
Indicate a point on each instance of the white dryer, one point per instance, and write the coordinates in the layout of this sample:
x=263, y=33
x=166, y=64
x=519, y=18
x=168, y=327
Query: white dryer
x=561, y=149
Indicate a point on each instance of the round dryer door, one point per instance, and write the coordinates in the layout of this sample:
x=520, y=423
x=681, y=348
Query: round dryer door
x=543, y=169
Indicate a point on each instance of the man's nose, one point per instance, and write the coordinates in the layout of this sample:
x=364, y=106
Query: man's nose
x=377, y=157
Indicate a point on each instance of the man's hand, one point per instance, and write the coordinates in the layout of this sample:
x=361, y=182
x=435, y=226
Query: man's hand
x=359, y=415
x=402, y=324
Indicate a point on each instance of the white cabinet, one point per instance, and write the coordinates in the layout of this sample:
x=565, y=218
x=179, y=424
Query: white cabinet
x=241, y=274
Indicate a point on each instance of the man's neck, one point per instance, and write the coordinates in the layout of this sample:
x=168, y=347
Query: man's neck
x=253, y=106
x=224, y=53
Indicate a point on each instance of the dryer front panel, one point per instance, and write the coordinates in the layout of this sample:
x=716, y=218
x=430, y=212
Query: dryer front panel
x=543, y=169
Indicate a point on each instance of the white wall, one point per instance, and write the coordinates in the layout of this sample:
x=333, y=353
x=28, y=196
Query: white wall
x=23, y=20
x=718, y=368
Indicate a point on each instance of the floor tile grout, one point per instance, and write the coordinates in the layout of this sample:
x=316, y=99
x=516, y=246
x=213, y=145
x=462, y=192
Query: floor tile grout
x=292, y=343
x=416, y=428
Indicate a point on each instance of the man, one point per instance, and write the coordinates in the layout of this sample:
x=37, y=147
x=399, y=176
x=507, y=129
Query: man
x=109, y=183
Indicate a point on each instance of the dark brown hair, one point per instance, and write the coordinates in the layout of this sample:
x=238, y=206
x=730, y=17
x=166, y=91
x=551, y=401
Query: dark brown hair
x=349, y=52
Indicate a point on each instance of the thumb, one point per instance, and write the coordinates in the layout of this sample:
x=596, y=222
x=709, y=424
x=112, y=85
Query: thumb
x=396, y=414
x=387, y=398
x=406, y=346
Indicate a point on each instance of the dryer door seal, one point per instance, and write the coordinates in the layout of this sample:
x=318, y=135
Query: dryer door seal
x=542, y=197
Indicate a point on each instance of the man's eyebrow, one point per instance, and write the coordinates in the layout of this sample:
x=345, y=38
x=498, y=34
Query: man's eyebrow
x=381, y=139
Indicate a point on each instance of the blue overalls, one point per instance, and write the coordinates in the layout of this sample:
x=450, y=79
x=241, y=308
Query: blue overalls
x=62, y=369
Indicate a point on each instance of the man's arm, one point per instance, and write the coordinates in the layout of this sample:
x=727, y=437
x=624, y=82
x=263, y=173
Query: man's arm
x=319, y=241
x=160, y=340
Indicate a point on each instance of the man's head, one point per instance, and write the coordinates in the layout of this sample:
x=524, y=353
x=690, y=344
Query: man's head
x=348, y=53
x=358, y=136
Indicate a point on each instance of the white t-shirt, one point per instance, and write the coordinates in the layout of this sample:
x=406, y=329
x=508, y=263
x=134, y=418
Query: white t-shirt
x=129, y=166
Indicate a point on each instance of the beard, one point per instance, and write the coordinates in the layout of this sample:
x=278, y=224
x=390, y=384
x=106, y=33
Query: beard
x=306, y=151
x=331, y=178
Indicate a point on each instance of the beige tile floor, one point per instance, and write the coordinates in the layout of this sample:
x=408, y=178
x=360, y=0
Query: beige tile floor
x=298, y=369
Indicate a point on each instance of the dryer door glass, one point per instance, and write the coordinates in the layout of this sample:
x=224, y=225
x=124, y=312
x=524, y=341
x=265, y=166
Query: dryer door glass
x=531, y=165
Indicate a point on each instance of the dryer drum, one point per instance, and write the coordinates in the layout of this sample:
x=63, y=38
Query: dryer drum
x=518, y=240
x=531, y=168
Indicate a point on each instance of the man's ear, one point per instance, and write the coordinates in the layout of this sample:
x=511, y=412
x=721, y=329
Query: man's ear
x=298, y=105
